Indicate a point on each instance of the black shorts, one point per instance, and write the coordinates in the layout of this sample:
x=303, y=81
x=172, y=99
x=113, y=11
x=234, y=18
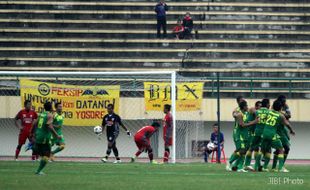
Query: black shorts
x=111, y=137
x=43, y=149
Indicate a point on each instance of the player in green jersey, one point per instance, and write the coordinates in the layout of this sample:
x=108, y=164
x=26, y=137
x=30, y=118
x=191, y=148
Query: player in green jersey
x=58, y=120
x=283, y=133
x=240, y=137
x=251, y=129
x=270, y=138
x=239, y=99
x=256, y=141
x=44, y=131
x=234, y=156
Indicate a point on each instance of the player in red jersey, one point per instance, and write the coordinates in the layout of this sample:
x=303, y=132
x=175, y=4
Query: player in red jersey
x=168, y=128
x=27, y=117
x=142, y=140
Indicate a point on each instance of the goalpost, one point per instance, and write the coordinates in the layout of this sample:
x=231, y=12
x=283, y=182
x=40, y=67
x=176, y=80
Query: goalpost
x=79, y=91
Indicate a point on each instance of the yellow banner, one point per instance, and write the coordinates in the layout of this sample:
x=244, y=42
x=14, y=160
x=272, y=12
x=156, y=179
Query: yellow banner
x=82, y=105
x=188, y=96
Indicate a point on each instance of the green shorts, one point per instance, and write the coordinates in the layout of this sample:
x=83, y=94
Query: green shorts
x=274, y=142
x=256, y=142
x=250, y=139
x=56, y=141
x=285, y=141
x=241, y=144
x=43, y=149
x=241, y=140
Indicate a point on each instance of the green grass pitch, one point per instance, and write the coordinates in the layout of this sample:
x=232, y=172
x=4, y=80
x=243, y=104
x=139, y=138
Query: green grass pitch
x=75, y=175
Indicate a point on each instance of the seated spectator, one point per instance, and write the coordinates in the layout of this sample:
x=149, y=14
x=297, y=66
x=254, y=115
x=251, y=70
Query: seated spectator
x=214, y=139
x=178, y=30
x=188, y=25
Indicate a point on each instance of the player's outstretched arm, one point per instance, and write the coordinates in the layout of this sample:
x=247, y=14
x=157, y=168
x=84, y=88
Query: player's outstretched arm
x=287, y=113
x=242, y=124
x=287, y=124
x=123, y=126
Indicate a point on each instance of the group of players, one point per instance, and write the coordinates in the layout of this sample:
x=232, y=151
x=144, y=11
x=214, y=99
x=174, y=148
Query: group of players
x=259, y=130
x=44, y=130
x=112, y=122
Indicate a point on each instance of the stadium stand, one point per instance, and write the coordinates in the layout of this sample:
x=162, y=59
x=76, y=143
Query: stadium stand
x=122, y=34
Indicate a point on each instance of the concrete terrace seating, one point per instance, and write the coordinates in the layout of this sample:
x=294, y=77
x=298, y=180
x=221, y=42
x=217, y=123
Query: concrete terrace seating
x=121, y=34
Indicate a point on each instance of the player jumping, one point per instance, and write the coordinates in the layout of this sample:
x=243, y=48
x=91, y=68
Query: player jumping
x=142, y=140
x=112, y=121
x=27, y=116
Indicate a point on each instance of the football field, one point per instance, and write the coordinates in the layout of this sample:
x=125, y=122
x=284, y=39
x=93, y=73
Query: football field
x=81, y=175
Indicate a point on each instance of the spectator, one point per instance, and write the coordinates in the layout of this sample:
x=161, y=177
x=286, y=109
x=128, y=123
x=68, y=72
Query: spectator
x=188, y=25
x=215, y=141
x=178, y=30
x=160, y=10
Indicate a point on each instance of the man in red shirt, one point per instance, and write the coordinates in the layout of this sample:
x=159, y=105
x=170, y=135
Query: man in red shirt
x=142, y=140
x=178, y=30
x=27, y=117
x=168, y=128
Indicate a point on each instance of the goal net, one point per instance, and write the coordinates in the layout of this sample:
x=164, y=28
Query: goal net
x=138, y=98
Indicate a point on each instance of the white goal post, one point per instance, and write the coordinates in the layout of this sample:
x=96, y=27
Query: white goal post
x=170, y=76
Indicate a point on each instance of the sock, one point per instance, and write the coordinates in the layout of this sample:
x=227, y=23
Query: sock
x=285, y=157
x=17, y=151
x=108, y=153
x=138, y=153
x=166, y=156
x=248, y=158
x=241, y=162
x=281, y=161
x=43, y=163
x=267, y=159
x=206, y=156
x=151, y=155
x=234, y=156
x=258, y=157
x=237, y=160
x=115, y=152
x=275, y=161
x=33, y=156
x=58, y=149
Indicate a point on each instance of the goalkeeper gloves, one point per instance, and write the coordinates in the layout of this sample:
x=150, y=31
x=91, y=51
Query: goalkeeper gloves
x=128, y=133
